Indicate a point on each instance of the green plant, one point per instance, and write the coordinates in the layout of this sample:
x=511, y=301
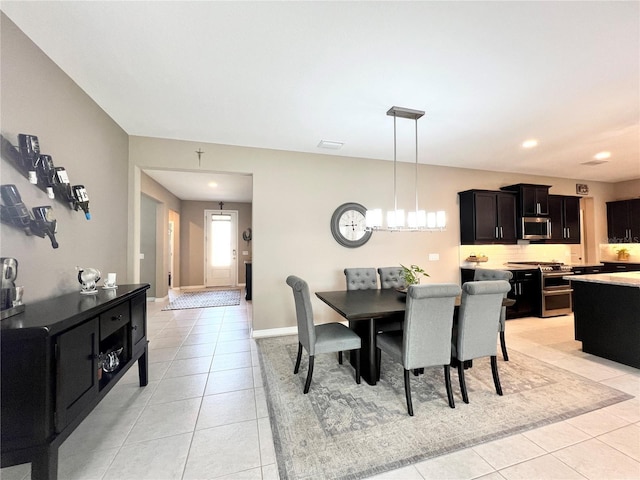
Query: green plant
x=413, y=274
x=623, y=253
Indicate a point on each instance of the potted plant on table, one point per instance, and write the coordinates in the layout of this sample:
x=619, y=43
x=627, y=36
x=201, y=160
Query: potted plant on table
x=413, y=274
x=623, y=253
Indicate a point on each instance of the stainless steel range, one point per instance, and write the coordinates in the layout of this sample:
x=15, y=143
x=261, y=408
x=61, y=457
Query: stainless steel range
x=557, y=294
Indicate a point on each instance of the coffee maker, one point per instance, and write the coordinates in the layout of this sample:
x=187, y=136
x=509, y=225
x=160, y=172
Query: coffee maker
x=11, y=296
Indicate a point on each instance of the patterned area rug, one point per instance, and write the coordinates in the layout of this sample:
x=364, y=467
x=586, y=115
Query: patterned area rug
x=204, y=299
x=342, y=430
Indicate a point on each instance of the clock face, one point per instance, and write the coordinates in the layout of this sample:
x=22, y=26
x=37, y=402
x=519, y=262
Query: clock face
x=348, y=225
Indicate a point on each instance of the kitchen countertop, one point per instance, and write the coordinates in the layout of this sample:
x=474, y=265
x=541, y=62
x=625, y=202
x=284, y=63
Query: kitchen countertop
x=626, y=279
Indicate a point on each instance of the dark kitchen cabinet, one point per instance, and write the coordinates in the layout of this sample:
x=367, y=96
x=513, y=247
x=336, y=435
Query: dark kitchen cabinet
x=526, y=290
x=612, y=267
x=564, y=212
x=487, y=217
x=51, y=375
x=533, y=200
x=623, y=221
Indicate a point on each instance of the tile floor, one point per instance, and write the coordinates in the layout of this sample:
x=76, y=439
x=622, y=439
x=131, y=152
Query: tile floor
x=204, y=413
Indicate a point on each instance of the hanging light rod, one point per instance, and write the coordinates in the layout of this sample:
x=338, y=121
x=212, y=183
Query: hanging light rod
x=417, y=220
x=405, y=113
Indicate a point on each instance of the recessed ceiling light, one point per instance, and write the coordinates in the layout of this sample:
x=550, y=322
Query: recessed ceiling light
x=330, y=145
x=602, y=155
x=212, y=184
x=531, y=143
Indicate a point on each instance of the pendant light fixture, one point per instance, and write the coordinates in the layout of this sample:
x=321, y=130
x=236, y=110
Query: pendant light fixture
x=417, y=220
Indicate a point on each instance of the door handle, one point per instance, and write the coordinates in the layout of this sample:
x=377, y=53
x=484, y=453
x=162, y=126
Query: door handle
x=501, y=234
x=234, y=253
x=497, y=235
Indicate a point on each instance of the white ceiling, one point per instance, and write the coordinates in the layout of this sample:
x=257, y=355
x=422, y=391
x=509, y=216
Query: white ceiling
x=285, y=75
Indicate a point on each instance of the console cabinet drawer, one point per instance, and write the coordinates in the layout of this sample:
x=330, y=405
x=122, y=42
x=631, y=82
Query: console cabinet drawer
x=114, y=319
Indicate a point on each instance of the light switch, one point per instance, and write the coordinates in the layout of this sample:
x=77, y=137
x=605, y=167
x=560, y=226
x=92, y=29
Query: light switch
x=142, y=256
x=434, y=256
x=245, y=252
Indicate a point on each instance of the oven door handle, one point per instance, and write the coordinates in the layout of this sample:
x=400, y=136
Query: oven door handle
x=557, y=292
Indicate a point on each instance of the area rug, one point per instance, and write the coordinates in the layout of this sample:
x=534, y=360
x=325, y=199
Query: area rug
x=204, y=299
x=341, y=430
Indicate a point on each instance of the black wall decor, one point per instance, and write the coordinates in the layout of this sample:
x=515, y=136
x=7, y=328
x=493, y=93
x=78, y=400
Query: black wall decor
x=40, y=170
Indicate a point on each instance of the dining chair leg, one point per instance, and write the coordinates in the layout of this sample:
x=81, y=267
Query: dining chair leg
x=340, y=357
x=357, y=366
x=496, y=378
x=295, y=370
x=463, y=386
x=307, y=384
x=378, y=361
x=407, y=391
x=447, y=383
x=503, y=346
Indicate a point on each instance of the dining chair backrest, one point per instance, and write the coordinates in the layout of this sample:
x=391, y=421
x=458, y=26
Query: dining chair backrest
x=484, y=274
x=361, y=278
x=479, y=307
x=304, y=313
x=427, y=324
x=391, y=277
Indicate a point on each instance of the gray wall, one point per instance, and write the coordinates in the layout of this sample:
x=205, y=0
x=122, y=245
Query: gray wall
x=40, y=99
x=148, y=228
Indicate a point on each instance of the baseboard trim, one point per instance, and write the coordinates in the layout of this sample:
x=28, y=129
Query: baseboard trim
x=274, y=332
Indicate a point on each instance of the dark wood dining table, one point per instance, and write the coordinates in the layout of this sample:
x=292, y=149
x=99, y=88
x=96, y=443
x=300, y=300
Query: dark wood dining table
x=365, y=309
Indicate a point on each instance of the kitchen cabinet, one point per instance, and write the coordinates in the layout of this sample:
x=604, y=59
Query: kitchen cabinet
x=611, y=267
x=51, y=368
x=487, y=217
x=623, y=221
x=564, y=212
x=533, y=200
x=588, y=269
x=526, y=290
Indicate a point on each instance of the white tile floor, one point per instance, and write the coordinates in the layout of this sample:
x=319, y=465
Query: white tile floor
x=204, y=414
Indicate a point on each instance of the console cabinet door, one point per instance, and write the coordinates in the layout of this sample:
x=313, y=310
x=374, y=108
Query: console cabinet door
x=138, y=324
x=77, y=371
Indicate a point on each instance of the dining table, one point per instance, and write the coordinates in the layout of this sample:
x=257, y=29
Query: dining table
x=365, y=310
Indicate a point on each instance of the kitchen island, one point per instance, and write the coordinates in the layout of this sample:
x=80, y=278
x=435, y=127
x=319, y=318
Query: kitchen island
x=606, y=310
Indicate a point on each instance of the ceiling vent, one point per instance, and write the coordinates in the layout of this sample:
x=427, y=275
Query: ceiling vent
x=591, y=163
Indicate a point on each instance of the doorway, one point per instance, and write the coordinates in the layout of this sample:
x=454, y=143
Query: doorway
x=221, y=248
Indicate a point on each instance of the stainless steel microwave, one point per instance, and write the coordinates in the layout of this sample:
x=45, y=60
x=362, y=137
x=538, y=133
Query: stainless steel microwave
x=536, y=228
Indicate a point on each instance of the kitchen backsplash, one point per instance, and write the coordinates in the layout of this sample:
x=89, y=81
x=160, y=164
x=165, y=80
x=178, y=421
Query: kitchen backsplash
x=498, y=255
x=608, y=252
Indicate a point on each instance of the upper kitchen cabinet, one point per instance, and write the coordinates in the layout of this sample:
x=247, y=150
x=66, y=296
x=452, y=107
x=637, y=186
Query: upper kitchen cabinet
x=533, y=200
x=487, y=217
x=623, y=221
x=564, y=212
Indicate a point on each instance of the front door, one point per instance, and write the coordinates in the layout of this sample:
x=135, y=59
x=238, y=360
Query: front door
x=221, y=249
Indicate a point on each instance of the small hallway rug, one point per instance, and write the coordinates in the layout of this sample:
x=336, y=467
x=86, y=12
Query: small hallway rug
x=204, y=299
x=341, y=430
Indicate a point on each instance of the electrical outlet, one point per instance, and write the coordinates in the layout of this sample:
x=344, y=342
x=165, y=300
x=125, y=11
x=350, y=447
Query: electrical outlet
x=434, y=256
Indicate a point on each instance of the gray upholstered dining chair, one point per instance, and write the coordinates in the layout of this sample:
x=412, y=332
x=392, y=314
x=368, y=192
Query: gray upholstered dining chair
x=426, y=338
x=391, y=277
x=476, y=334
x=325, y=338
x=361, y=278
x=483, y=274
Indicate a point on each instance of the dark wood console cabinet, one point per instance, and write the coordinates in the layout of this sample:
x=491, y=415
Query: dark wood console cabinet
x=51, y=378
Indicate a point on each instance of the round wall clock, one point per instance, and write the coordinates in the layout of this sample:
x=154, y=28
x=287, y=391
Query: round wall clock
x=348, y=225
